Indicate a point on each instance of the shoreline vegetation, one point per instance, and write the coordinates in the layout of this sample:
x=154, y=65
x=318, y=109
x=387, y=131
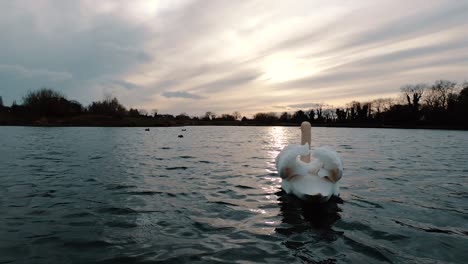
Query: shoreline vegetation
x=442, y=105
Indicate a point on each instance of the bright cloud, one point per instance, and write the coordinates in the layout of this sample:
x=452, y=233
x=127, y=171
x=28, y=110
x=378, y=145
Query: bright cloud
x=224, y=56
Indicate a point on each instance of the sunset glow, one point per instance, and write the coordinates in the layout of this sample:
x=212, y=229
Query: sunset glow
x=224, y=56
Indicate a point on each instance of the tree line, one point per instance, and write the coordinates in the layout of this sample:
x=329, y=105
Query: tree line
x=442, y=104
x=48, y=103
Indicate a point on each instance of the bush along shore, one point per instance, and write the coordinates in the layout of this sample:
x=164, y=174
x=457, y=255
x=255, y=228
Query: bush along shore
x=443, y=104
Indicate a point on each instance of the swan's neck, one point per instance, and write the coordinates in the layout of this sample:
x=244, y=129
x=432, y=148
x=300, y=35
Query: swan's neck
x=306, y=136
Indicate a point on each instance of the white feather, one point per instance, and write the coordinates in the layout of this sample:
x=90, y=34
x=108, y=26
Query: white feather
x=309, y=177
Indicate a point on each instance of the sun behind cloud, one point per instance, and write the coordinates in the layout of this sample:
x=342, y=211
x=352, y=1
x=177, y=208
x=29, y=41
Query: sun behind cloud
x=281, y=67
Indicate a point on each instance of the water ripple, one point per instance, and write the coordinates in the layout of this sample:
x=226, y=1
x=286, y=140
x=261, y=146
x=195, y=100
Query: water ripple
x=122, y=195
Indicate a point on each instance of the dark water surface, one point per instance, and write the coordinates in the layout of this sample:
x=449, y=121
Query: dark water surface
x=123, y=195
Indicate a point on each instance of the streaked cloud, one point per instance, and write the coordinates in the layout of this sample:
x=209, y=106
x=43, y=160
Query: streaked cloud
x=246, y=56
x=181, y=95
x=20, y=72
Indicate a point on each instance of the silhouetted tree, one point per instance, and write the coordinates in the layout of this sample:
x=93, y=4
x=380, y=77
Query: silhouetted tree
x=237, y=115
x=461, y=106
x=319, y=112
x=47, y=102
x=109, y=106
x=182, y=116
x=227, y=117
x=437, y=100
x=438, y=95
x=285, y=117
x=413, y=94
x=299, y=117
x=340, y=115
x=1, y=101
x=143, y=112
x=154, y=112
x=311, y=115
x=133, y=112
x=354, y=108
x=209, y=116
x=266, y=118
x=329, y=115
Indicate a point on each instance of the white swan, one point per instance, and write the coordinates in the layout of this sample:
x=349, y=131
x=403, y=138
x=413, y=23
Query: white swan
x=305, y=177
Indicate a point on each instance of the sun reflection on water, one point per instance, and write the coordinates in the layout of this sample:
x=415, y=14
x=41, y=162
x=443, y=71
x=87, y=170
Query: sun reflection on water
x=278, y=139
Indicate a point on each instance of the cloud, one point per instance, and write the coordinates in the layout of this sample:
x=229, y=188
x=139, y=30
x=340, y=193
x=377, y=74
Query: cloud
x=27, y=73
x=305, y=105
x=228, y=82
x=126, y=85
x=179, y=94
x=259, y=56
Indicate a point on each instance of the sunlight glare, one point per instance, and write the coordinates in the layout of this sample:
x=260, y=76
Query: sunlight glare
x=281, y=67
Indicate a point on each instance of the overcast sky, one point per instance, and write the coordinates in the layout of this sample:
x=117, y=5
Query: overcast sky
x=224, y=56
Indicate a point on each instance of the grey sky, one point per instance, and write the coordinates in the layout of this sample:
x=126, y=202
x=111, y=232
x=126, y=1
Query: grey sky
x=224, y=56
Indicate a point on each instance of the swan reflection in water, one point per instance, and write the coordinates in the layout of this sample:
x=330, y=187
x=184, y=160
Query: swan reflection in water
x=305, y=217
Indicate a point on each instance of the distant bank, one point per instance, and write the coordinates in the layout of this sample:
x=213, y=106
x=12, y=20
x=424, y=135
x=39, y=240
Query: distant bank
x=443, y=105
x=107, y=121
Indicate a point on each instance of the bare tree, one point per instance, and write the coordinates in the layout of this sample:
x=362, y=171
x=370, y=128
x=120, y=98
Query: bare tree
x=377, y=105
x=143, y=112
x=413, y=94
x=439, y=94
x=209, y=116
x=237, y=115
x=319, y=112
x=154, y=112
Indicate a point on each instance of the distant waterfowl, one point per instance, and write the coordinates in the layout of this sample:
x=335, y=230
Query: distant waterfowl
x=183, y=129
x=181, y=136
x=147, y=129
x=309, y=174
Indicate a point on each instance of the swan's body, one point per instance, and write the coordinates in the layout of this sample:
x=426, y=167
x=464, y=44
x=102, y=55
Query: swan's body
x=307, y=173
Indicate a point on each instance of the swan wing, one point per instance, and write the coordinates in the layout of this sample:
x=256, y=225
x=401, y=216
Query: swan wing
x=287, y=162
x=332, y=163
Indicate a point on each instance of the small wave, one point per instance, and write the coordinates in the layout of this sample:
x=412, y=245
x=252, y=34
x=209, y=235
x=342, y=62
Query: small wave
x=87, y=244
x=117, y=210
x=177, y=168
x=431, y=229
x=244, y=187
x=82, y=223
x=39, y=212
x=186, y=157
x=223, y=203
x=77, y=215
x=369, y=250
x=205, y=227
x=123, y=259
x=58, y=204
x=44, y=239
x=144, y=193
x=120, y=186
x=120, y=224
x=362, y=200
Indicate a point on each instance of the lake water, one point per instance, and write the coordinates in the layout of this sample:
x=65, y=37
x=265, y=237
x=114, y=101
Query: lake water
x=125, y=195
